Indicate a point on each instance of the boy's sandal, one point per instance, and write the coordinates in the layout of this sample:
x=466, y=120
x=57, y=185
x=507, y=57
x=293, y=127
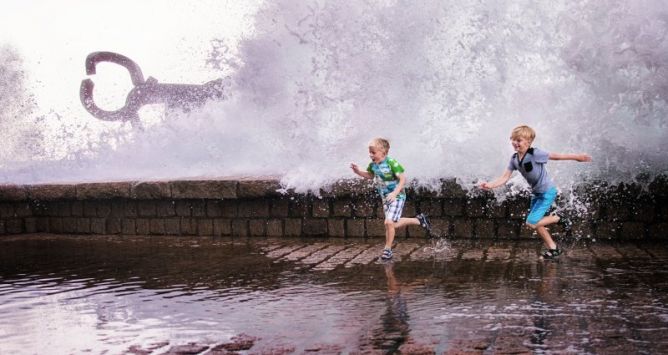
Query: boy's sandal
x=551, y=253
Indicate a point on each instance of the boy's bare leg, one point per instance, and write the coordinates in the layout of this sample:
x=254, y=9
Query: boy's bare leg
x=547, y=238
x=547, y=221
x=389, y=233
x=403, y=221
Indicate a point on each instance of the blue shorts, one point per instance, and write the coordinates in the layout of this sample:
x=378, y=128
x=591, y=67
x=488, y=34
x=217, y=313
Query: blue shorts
x=540, y=205
x=393, y=209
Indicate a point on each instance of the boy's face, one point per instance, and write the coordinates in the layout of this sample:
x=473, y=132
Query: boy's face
x=520, y=144
x=376, y=154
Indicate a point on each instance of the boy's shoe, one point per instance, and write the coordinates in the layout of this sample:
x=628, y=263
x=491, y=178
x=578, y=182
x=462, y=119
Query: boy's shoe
x=552, y=253
x=424, y=221
x=387, y=254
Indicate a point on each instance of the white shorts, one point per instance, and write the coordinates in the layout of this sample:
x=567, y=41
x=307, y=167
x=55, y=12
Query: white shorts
x=393, y=209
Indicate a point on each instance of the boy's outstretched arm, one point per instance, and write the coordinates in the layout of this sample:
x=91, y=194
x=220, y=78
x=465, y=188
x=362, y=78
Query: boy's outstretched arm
x=362, y=173
x=497, y=182
x=582, y=157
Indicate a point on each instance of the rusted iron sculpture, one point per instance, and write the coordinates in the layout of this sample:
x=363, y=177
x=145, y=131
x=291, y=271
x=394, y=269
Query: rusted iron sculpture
x=149, y=91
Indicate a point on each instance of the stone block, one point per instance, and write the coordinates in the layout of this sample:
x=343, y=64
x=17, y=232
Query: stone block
x=355, y=227
x=146, y=208
x=165, y=208
x=658, y=230
x=440, y=227
x=30, y=225
x=257, y=227
x=6, y=210
x=89, y=208
x=258, y=188
x=644, y=213
x=204, y=189
x=13, y=193
x=293, y=227
x=320, y=208
x=614, y=213
x=222, y=227
x=411, y=232
x=143, y=226
x=56, y=225
x=363, y=208
x=279, y=208
x=336, y=228
x=633, y=230
x=43, y=224
x=432, y=207
x=608, y=230
x=518, y=208
x=103, y=209
x=188, y=226
x=129, y=209
x=484, y=228
x=157, y=226
x=275, y=228
x=409, y=210
x=347, y=188
x=342, y=208
x=659, y=186
x=98, y=226
x=299, y=208
x=497, y=210
x=475, y=207
x=70, y=225
x=375, y=227
x=230, y=208
x=51, y=192
x=462, y=228
x=213, y=209
x=22, y=210
x=14, y=226
x=102, y=191
x=451, y=189
x=314, y=227
x=240, y=228
x=453, y=208
x=582, y=229
x=61, y=209
x=183, y=208
x=173, y=226
x=253, y=208
x=198, y=208
x=150, y=190
x=2, y=227
x=114, y=225
x=205, y=227
x=508, y=229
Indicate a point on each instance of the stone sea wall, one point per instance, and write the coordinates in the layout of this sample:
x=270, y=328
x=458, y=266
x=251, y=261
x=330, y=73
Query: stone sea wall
x=254, y=208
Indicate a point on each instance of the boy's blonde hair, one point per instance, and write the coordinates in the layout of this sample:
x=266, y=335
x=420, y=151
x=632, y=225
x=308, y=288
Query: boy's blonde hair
x=525, y=132
x=381, y=143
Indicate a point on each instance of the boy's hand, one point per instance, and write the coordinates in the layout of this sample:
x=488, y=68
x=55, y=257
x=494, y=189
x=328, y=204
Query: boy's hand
x=584, y=158
x=355, y=167
x=485, y=185
x=390, y=197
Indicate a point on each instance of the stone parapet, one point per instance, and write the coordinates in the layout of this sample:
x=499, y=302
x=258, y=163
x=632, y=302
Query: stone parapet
x=350, y=208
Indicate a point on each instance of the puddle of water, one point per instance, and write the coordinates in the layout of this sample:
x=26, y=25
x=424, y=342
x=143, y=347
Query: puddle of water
x=73, y=294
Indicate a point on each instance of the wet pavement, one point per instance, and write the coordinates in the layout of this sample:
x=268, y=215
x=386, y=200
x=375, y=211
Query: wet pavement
x=181, y=295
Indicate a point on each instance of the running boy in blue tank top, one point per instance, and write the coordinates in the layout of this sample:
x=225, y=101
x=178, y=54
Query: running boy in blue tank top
x=530, y=162
x=389, y=179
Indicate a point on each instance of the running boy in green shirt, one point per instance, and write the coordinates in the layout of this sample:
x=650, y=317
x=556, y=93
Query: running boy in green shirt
x=389, y=178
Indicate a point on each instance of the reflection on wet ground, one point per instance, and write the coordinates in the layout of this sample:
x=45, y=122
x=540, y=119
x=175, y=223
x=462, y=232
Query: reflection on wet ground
x=141, y=295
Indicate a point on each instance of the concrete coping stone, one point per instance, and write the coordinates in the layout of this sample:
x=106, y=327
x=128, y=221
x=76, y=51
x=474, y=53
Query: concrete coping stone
x=243, y=188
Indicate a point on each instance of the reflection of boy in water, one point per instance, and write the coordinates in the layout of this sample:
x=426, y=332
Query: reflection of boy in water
x=390, y=180
x=394, y=329
x=531, y=162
